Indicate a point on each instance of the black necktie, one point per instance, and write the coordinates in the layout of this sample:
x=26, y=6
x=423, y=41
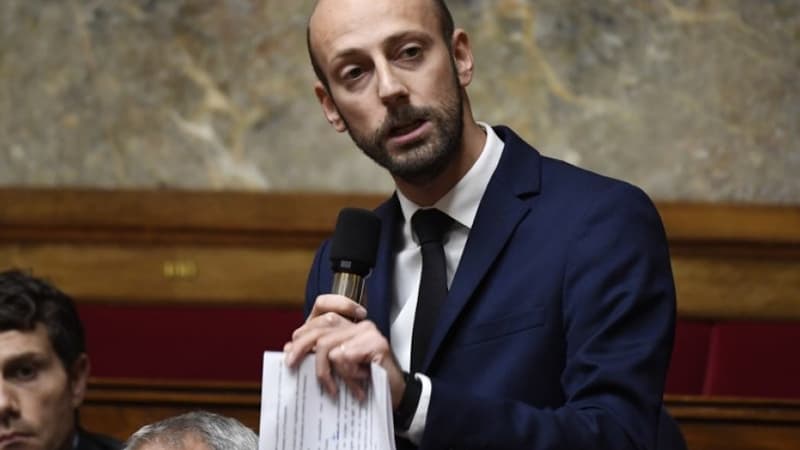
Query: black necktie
x=430, y=226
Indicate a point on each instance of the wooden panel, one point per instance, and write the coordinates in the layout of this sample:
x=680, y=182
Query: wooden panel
x=735, y=261
x=120, y=407
x=741, y=436
x=763, y=224
x=708, y=286
x=168, y=273
x=710, y=423
x=687, y=408
x=121, y=420
x=36, y=213
x=737, y=287
x=184, y=216
x=730, y=261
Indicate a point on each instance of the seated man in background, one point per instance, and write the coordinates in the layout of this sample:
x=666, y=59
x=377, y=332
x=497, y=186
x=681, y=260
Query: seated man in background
x=44, y=368
x=197, y=430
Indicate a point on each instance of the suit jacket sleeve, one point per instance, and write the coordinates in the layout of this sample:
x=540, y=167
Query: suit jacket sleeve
x=618, y=311
x=94, y=441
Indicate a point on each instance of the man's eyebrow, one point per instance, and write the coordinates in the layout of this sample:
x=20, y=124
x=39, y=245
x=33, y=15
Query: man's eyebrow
x=25, y=358
x=403, y=36
x=388, y=43
x=345, y=54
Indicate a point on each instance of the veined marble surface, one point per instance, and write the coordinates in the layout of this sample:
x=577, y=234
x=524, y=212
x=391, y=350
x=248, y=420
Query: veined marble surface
x=689, y=99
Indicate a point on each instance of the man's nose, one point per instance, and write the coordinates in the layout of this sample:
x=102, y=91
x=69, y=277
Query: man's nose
x=390, y=86
x=9, y=406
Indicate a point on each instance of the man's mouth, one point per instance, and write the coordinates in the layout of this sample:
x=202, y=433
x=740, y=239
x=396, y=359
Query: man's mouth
x=11, y=438
x=409, y=133
x=405, y=129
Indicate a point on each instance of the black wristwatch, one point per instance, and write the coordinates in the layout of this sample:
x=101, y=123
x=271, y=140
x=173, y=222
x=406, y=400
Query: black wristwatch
x=408, y=403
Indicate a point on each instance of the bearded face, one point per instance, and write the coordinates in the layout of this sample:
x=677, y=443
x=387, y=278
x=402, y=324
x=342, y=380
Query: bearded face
x=422, y=159
x=394, y=84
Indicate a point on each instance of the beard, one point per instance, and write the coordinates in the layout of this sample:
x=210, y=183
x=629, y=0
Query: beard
x=420, y=161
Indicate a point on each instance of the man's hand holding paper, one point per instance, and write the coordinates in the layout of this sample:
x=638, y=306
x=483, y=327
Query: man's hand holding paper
x=297, y=414
x=344, y=348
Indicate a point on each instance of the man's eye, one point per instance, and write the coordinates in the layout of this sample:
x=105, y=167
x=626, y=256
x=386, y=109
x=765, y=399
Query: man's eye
x=352, y=73
x=410, y=52
x=24, y=373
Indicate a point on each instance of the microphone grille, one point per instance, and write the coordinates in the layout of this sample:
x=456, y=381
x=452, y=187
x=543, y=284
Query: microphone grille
x=355, y=241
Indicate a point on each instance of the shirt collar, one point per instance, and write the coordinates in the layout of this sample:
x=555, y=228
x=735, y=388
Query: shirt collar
x=462, y=201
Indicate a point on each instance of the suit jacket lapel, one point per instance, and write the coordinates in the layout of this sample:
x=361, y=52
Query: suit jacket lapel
x=379, y=295
x=503, y=206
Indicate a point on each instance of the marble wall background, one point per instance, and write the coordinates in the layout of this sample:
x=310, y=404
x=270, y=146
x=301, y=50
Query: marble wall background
x=690, y=99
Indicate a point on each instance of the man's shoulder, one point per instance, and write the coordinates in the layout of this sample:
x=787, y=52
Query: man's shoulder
x=95, y=441
x=561, y=183
x=557, y=174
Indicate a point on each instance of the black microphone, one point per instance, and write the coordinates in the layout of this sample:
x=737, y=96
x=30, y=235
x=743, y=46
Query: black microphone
x=353, y=251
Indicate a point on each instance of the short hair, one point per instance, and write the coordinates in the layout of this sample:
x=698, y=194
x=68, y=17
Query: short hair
x=26, y=301
x=446, y=27
x=216, y=431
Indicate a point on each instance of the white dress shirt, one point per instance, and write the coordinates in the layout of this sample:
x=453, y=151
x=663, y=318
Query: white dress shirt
x=461, y=203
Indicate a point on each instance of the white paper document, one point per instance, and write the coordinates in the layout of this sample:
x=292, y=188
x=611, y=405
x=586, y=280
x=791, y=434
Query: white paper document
x=296, y=414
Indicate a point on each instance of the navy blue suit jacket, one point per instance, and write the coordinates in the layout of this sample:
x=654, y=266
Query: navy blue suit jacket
x=92, y=441
x=558, y=327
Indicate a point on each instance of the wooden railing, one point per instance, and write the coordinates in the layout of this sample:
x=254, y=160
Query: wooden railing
x=726, y=423
x=120, y=407
x=730, y=261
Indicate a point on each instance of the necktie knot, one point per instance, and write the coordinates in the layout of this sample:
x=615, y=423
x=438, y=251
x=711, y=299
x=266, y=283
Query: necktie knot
x=430, y=225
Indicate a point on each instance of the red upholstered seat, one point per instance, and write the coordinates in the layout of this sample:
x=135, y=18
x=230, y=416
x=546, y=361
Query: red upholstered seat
x=173, y=342
x=758, y=359
x=687, y=368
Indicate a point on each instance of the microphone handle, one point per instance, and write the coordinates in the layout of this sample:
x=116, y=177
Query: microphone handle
x=350, y=285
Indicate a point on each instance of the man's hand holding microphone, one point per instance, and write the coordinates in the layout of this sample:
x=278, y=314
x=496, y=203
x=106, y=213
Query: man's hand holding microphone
x=337, y=329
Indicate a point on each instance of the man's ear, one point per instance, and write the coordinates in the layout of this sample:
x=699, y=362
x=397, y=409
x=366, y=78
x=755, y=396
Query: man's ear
x=78, y=379
x=329, y=107
x=462, y=56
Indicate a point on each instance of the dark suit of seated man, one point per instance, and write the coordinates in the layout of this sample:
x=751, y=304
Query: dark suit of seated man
x=44, y=368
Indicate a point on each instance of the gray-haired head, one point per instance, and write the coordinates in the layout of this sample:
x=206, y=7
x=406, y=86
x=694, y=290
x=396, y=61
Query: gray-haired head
x=187, y=431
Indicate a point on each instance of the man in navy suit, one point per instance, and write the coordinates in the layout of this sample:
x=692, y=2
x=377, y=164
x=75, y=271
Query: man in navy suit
x=558, y=324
